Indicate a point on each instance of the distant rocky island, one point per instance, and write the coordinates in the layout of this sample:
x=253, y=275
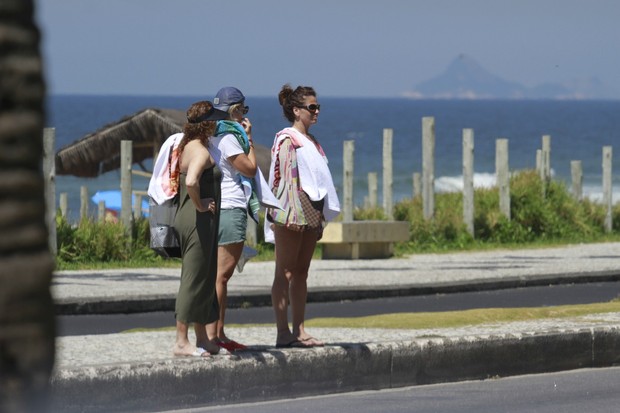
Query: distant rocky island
x=464, y=78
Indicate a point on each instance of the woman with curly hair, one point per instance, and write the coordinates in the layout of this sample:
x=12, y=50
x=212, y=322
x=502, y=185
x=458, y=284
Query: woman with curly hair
x=197, y=222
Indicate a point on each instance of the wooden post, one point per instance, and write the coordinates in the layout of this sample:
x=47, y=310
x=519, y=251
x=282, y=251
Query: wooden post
x=545, y=158
x=503, y=176
x=137, y=206
x=417, y=184
x=126, y=185
x=539, y=166
x=347, y=176
x=49, y=176
x=607, y=187
x=64, y=204
x=576, y=173
x=428, y=166
x=83, y=202
x=468, y=180
x=101, y=211
x=372, y=189
x=388, y=179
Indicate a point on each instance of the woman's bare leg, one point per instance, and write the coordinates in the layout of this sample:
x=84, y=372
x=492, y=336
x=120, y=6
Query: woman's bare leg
x=299, y=285
x=288, y=243
x=227, y=258
x=182, y=346
x=294, y=252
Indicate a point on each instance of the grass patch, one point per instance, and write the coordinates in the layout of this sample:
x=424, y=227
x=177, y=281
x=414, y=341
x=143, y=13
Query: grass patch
x=446, y=319
x=451, y=319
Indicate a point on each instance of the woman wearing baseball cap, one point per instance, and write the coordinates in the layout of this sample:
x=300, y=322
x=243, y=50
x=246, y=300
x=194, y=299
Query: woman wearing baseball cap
x=233, y=151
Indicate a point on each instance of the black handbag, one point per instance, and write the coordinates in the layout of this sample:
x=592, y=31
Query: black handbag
x=164, y=237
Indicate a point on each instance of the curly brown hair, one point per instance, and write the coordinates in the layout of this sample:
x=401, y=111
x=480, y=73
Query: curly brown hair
x=196, y=128
x=290, y=98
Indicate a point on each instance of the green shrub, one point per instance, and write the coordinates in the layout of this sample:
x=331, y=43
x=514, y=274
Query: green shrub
x=555, y=217
x=369, y=214
x=91, y=242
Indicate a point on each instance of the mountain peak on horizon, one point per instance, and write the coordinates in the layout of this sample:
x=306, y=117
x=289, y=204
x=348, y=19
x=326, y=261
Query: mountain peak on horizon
x=464, y=62
x=465, y=78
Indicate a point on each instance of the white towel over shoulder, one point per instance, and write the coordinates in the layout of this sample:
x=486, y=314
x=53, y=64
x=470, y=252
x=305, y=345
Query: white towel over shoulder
x=314, y=175
x=157, y=190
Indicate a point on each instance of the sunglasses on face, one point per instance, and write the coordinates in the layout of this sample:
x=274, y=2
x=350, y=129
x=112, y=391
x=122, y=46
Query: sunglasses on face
x=243, y=109
x=311, y=108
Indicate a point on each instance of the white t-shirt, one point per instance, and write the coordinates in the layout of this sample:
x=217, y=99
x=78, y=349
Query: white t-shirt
x=221, y=148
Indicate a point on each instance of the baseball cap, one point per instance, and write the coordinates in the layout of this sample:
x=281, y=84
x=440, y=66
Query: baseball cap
x=226, y=97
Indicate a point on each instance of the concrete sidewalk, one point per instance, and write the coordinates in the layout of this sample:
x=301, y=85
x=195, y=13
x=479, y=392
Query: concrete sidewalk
x=136, y=371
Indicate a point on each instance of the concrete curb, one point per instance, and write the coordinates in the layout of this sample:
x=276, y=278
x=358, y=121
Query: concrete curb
x=274, y=374
x=165, y=302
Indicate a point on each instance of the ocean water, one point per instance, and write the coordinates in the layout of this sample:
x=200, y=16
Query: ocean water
x=579, y=130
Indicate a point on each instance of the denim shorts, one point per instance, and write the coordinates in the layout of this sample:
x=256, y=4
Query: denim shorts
x=233, y=223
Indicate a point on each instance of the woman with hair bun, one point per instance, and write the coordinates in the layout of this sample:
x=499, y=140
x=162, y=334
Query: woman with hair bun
x=300, y=178
x=197, y=222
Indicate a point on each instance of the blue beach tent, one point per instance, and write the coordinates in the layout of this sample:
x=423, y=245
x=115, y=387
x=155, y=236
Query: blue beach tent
x=112, y=201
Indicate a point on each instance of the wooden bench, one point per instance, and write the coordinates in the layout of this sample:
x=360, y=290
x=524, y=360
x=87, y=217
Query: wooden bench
x=362, y=239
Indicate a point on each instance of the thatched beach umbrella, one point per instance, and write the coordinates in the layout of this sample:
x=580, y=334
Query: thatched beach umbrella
x=99, y=152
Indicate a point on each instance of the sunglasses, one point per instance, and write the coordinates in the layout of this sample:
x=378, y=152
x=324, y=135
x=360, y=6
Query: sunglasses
x=245, y=109
x=311, y=108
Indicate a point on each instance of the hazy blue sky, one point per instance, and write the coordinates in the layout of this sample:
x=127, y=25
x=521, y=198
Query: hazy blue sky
x=342, y=48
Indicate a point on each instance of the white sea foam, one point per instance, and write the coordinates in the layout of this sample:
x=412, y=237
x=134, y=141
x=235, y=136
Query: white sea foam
x=455, y=183
x=488, y=180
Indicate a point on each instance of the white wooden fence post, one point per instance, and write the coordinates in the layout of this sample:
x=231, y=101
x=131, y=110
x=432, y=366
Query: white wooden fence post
x=607, y=187
x=417, y=184
x=468, y=180
x=347, y=177
x=503, y=176
x=576, y=173
x=64, y=204
x=84, y=202
x=101, y=211
x=49, y=175
x=388, y=179
x=428, y=166
x=126, y=185
x=372, y=189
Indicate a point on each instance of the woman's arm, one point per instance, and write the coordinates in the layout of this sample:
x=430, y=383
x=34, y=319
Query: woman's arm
x=245, y=164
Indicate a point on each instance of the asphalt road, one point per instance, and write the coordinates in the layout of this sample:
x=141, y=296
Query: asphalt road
x=576, y=391
x=520, y=297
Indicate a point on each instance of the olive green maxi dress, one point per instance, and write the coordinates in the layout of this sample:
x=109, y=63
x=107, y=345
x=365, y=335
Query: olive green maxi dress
x=197, y=301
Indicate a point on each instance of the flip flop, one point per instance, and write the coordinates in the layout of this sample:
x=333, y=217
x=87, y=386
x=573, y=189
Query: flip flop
x=293, y=344
x=199, y=352
x=238, y=346
x=232, y=346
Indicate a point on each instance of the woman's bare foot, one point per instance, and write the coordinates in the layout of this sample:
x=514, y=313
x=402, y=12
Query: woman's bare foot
x=189, y=351
x=311, y=341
